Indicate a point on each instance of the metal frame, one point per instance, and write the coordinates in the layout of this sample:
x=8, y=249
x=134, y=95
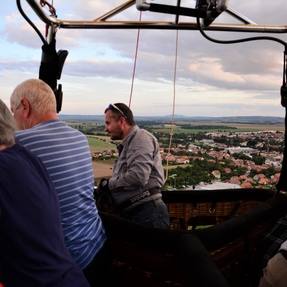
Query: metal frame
x=103, y=21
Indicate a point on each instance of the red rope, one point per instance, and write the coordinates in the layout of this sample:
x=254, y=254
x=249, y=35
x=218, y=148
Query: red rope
x=50, y=6
x=135, y=62
x=52, y=11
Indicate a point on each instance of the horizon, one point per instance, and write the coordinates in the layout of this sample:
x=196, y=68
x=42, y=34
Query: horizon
x=179, y=115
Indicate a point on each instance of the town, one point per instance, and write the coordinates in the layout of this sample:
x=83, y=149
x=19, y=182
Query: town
x=203, y=156
x=241, y=159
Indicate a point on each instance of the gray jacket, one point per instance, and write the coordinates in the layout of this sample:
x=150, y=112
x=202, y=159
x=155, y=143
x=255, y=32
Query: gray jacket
x=138, y=168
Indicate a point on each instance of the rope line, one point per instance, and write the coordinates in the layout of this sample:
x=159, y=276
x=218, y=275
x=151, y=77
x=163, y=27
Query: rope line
x=51, y=7
x=52, y=11
x=171, y=132
x=135, y=62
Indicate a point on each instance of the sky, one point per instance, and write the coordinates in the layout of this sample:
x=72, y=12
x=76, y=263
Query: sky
x=212, y=79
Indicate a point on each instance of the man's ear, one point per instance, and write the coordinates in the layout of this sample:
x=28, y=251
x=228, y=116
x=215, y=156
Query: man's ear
x=26, y=107
x=123, y=121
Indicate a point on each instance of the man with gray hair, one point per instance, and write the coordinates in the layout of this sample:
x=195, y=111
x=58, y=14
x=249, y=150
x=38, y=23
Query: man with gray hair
x=32, y=248
x=66, y=155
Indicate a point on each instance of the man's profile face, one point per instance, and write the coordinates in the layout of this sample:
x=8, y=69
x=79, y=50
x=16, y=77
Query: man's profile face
x=113, y=126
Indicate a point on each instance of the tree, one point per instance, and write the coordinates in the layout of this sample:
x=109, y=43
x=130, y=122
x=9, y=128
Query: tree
x=258, y=159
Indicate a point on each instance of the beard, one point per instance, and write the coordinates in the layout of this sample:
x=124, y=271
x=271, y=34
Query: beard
x=117, y=135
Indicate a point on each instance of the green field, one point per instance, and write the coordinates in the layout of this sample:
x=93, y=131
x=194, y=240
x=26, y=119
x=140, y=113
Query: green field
x=258, y=127
x=219, y=127
x=179, y=130
x=98, y=144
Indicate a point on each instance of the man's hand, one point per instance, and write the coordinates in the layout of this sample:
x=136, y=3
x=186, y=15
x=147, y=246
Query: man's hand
x=104, y=198
x=104, y=185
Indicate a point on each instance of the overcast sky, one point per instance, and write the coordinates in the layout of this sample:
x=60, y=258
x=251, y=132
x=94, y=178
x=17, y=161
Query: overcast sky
x=212, y=79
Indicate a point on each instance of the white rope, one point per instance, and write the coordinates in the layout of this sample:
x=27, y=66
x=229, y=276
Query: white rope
x=171, y=132
x=135, y=62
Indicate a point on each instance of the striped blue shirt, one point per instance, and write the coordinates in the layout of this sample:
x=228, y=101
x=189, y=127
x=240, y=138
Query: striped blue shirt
x=66, y=155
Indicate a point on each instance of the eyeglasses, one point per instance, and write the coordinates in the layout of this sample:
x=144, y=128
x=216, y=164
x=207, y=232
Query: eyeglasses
x=114, y=107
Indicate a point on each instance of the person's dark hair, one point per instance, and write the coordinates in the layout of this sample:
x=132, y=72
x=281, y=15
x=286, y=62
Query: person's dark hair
x=122, y=110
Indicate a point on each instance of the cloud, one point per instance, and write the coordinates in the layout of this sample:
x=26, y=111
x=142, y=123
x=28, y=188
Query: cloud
x=16, y=32
x=203, y=67
x=211, y=70
x=24, y=66
x=159, y=68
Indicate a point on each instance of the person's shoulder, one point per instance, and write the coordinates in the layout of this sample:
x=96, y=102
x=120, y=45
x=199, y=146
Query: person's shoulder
x=143, y=140
x=33, y=130
x=19, y=133
x=68, y=127
x=48, y=126
x=6, y=159
x=144, y=134
x=78, y=134
x=15, y=150
x=18, y=157
x=9, y=155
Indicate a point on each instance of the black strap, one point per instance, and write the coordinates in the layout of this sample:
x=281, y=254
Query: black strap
x=282, y=183
x=138, y=197
x=120, y=148
x=52, y=63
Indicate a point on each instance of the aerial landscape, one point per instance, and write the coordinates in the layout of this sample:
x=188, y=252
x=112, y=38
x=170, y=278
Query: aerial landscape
x=239, y=152
x=158, y=133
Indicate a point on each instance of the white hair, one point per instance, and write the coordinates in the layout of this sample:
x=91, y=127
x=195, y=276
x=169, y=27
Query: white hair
x=7, y=126
x=40, y=96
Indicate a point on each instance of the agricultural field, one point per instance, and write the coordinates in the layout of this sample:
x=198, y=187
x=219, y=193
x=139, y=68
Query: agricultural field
x=240, y=127
x=218, y=127
x=100, y=143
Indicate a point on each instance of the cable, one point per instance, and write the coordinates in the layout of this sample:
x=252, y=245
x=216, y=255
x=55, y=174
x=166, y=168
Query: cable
x=174, y=93
x=237, y=40
x=135, y=62
x=30, y=22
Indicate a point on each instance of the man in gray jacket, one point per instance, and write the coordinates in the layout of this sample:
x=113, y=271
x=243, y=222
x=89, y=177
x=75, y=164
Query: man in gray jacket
x=137, y=176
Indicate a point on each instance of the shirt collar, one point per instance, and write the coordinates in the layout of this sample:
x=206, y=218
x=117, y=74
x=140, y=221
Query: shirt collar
x=46, y=122
x=130, y=134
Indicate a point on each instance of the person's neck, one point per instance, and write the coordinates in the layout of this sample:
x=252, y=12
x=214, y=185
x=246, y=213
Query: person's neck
x=127, y=131
x=46, y=117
